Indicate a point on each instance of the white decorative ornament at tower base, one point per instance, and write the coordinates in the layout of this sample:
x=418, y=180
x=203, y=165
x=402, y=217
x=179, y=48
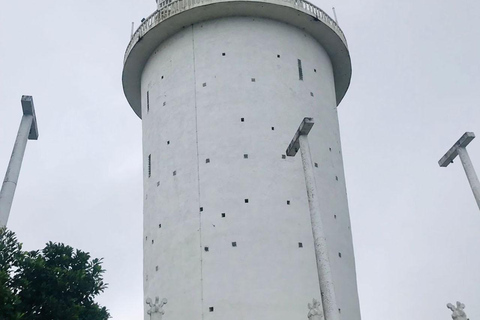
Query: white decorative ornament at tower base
x=220, y=87
x=156, y=312
x=457, y=311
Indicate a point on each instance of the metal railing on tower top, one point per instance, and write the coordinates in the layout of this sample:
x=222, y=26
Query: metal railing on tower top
x=169, y=8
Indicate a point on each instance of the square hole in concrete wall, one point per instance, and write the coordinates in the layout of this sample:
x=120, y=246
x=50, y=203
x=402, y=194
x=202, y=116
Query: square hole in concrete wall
x=211, y=309
x=201, y=209
x=314, y=70
x=288, y=202
x=316, y=165
x=245, y=156
x=158, y=183
x=207, y=161
x=284, y=156
x=273, y=128
x=311, y=93
x=300, y=245
x=242, y=119
x=168, y=142
x=153, y=241
x=174, y=173
x=159, y=225
x=330, y=149
x=204, y=84
x=162, y=77
x=223, y=54
x=156, y=268
x=278, y=56
x=253, y=79
x=246, y=200
x=340, y=254
x=223, y=215
x=336, y=178
x=206, y=249
x=335, y=216
x=164, y=103
x=234, y=244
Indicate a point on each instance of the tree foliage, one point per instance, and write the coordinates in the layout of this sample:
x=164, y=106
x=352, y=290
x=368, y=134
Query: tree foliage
x=58, y=282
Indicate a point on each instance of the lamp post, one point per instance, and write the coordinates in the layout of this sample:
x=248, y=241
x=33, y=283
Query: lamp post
x=28, y=131
x=459, y=148
x=300, y=142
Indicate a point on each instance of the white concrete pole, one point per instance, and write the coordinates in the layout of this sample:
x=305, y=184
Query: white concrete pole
x=13, y=170
x=459, y=148
x=321, y=251
x=471, y=174
x=327, y=289
x=27, y=130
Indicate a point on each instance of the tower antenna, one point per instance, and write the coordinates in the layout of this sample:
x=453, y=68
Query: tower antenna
x=335, y=14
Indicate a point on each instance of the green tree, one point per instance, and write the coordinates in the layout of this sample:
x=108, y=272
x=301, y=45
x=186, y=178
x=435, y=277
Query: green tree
x=11, y=258
x=58, y=282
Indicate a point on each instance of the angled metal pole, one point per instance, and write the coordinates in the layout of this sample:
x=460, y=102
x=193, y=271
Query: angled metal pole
x=459, y=148
x=327, y=290
x=28, y=131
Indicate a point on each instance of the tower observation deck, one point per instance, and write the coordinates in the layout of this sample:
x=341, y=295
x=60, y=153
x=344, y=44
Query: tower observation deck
x=221, y=86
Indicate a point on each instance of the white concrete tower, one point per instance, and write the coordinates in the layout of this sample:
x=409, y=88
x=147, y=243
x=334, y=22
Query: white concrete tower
x=221, y=87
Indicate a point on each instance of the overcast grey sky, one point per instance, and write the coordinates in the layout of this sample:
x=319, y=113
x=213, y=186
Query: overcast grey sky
x=415, y=90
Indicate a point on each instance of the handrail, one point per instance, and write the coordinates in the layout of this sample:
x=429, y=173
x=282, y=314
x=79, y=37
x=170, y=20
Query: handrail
x=178, y=6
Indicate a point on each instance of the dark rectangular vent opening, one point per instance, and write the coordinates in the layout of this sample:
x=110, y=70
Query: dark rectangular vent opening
x=149, y=165
x=148, y=101
x=300, y=70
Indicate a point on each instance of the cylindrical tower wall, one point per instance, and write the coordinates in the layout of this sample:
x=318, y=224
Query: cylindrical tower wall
x=226, y=218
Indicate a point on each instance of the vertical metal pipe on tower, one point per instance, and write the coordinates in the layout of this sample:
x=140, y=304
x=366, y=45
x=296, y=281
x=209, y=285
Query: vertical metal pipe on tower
x=27, y=131
x=327, y=289
x=459, y=148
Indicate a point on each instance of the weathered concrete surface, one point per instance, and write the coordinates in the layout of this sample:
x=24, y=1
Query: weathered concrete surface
x=178, y=15
x=206, y=163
